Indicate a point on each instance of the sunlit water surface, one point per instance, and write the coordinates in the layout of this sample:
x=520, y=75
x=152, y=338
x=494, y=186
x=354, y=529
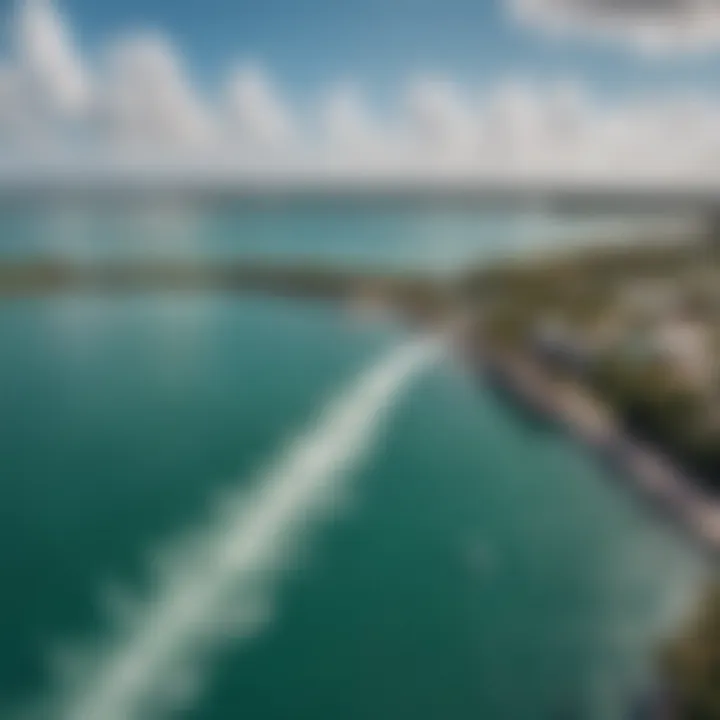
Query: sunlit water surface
x=468, y=563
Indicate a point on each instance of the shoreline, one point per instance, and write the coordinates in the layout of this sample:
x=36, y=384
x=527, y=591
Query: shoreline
x=420, y=301
x=643, y=468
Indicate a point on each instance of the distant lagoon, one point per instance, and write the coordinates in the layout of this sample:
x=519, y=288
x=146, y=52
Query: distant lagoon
x=399, y=237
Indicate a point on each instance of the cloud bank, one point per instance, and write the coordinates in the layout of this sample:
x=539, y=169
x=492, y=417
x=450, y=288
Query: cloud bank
x=132, y=110
x=653, y=26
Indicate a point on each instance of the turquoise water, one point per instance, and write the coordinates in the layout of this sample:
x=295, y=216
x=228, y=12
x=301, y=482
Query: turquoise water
x=391, y=235
x=466, y=563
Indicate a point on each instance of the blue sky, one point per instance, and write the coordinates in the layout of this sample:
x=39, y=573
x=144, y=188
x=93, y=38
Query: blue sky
x=555, y=89
x=380, y=43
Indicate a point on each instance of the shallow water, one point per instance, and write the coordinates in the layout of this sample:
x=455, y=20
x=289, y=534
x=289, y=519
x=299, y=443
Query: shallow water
x=473, y=565
x=397, y=236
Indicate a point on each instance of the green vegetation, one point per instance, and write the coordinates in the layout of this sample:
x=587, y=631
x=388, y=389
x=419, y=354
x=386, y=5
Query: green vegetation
x=654, y=404
x=644, y=320
x=310, y=280
x=691, y=664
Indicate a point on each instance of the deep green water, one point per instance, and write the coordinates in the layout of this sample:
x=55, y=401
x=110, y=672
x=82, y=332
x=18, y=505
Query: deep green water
x=476, y=565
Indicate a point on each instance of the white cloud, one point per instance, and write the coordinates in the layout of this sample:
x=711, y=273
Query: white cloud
x=653, y=26
x=256, y=113
x=10, y=105
x=135, y=109
x=54, y=76
x=441, y=117
x=346, y=119
x=147, y=101
x=351, y=137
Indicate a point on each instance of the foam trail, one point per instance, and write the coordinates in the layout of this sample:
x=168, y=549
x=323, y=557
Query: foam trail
x=220, y=578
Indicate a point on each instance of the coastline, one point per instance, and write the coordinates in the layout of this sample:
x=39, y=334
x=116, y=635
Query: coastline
x=421, y=302
x=645, y=469
x=638, y=468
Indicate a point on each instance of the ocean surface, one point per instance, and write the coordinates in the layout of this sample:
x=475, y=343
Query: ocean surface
x=218, y=507
x=402, y=236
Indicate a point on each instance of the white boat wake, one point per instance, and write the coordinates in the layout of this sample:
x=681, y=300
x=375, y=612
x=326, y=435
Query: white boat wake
x=216, y=584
